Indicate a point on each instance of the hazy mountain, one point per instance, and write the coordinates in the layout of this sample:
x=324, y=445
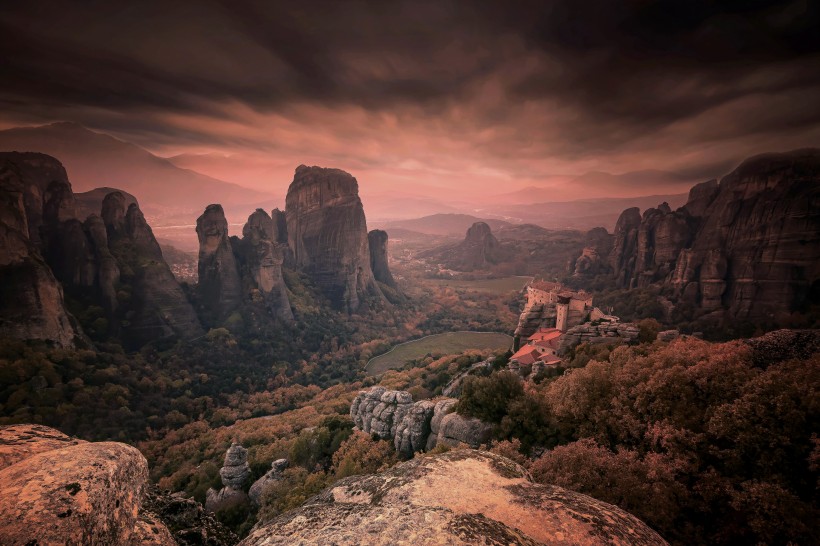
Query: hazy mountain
x=166, y=192
x=442, y=224
x=601, y=185
x=582, y=214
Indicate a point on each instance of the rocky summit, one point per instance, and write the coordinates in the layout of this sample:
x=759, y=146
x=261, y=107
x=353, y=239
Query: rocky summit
x=461, y=497
x=327, y=234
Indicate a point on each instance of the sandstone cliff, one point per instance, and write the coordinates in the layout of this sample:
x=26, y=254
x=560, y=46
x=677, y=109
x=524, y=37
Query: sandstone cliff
x=32, y=303
x=377, y=241
x=51, y=249
x=460, y=497
x=261, y=258
x=747, y=246
x=327, y=234
x=220, y=288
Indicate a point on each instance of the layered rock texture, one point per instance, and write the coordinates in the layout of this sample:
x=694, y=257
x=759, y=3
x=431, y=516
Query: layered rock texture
x=234, y=473
x=746, y=246
x=57, y=490
x=109, y=258
x=461, y=497
x=415, y=426
x=327, y=234
x=601, y=332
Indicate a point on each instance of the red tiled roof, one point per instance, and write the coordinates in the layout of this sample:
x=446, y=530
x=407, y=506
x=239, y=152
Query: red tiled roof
x=545, y=334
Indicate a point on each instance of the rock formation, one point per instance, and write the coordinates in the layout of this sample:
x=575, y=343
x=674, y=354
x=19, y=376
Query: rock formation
x=220, y=287
x=234, y=473
x=594, y=257
x=92, y=257
x=747, y=246
x=57, y=490
x=602, y=332
x=262, y=258
x=327, y=234
x=415, y=426
x=189, y=523
x=622, y=259
x=158, y=308
x=275, y=474
x=32, y=304
x=463, y=497
x=377, y=241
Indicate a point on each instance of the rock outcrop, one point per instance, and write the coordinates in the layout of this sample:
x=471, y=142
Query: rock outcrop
x=377, y=241
x=56, y=490
x=189, y=523
x=51, y=250
x=261, y=258
x=601, y=332
x=32, y=304
x=275, y=474
x=234, y=473
x=327, y=234
x=747, y=247
x=415, y=426
x=456, y=429
x=594, y=258
x=622, y=260
x=220, y=287
x=461, y=497
x=158, y=307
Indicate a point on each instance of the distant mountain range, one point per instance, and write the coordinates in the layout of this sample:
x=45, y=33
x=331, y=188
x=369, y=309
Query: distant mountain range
x=166, y=192
x=172, y=194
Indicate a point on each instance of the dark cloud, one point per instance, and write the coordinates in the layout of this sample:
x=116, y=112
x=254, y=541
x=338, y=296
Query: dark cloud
x=581, y=82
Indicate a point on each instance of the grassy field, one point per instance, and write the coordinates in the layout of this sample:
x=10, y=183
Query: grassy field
x=449, y=343
x=495, y=286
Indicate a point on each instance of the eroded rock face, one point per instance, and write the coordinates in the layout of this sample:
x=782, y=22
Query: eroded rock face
x=234, y=473
x=262, y=258
x=747, y=246
x=456, y=429
x=235, y=470
x=159, y=307
x=62, y=491
x=219, y=284
x=32, y=304
x=622, y=259
x=379, y=411
x=275, y=473
x=377, y=241
x=461, y=497
x=415, y=426
x=327, y=234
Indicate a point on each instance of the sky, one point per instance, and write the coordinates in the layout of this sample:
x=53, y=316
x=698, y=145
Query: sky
x=465, y=96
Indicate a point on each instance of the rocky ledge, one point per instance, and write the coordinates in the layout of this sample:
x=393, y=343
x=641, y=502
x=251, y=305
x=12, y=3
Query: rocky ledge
x=58, y=490
x=460, y=497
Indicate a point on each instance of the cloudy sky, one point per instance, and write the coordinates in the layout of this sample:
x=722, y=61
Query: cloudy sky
x=481, y=95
